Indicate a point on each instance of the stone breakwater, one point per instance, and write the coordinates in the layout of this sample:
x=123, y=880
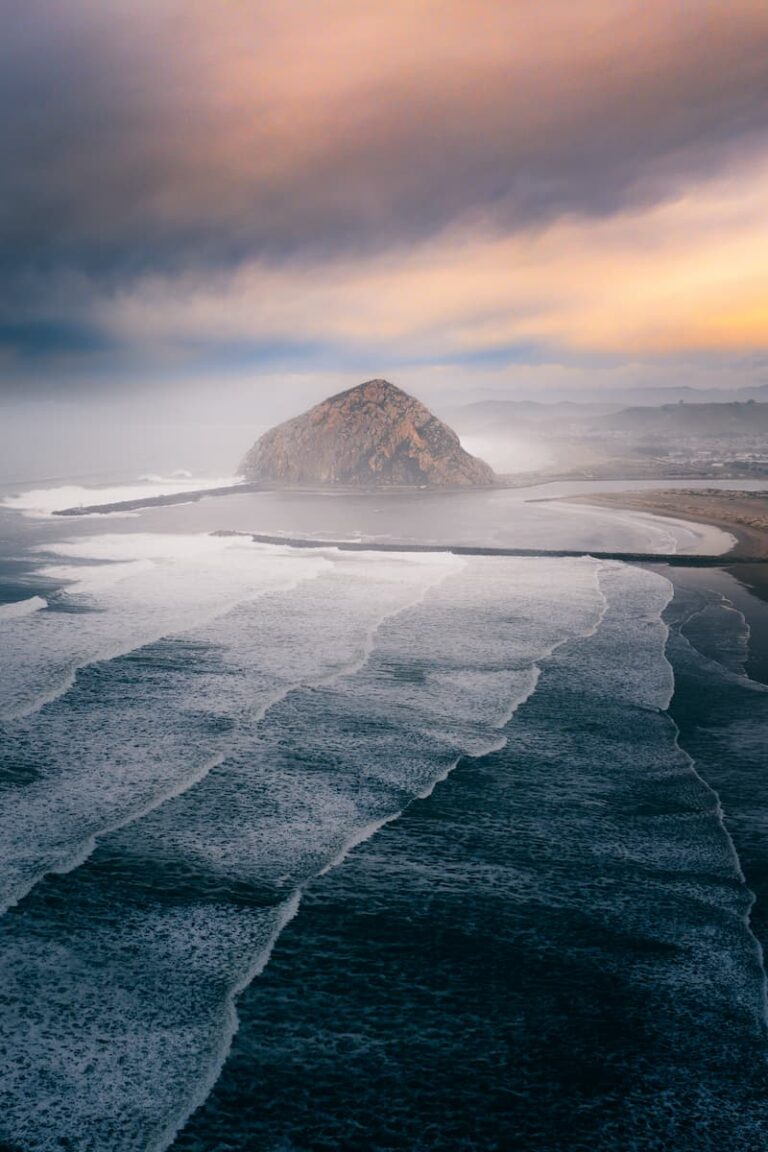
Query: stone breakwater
x=676, y=559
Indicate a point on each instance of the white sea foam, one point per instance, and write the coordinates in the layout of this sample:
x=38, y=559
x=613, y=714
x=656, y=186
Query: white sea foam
x=700, y=633
x=704, y=629
x=344, y=699
x=629, y=668
x=132, y=590
x=21, y=608
x=148, y=727
x=110, y=750
x=374, y=705
x=638, y=633
x=42, y=502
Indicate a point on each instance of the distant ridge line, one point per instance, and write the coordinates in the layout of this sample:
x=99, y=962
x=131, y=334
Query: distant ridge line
x=676, y=559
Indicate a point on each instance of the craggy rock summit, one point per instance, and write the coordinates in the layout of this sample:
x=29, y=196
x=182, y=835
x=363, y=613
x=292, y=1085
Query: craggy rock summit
x=371, y=435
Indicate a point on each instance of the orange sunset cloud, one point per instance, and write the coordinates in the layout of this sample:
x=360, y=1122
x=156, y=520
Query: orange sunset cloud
x=442, y=177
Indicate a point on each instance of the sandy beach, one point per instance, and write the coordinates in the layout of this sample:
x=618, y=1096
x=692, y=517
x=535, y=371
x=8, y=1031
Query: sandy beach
x=745, y=516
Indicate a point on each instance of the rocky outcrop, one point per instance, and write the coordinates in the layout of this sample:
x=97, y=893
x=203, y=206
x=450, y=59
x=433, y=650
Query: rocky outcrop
x=374, y=435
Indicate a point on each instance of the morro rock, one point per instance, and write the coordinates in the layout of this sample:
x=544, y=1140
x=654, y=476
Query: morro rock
x=371, y=435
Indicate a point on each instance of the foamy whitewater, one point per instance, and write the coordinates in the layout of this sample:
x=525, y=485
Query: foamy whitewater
x=42, y=502
x=202, y=735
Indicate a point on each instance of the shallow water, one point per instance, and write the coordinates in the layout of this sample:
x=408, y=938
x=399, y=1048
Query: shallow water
x=521, y=517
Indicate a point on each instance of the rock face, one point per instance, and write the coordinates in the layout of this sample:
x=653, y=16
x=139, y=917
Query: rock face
x=371, y=435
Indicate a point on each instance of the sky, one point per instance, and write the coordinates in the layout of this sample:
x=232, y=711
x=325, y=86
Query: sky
x=256, y=202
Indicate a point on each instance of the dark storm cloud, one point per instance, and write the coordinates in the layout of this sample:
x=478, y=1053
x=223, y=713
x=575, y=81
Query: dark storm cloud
x=126, y=144
x=168, y=137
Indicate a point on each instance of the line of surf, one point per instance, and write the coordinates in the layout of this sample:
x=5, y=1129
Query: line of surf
x=81, y=852
x=19, y=608
x=718, y=808
x=188, y=496
x=117, y=499
x=144, y=633
x=87, y=847
x=291, y=907
x=590, y=616
x=367, y=832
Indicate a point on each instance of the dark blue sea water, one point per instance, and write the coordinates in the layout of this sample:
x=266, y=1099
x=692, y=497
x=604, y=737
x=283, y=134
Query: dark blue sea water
x=550, y=952
x=392, y=852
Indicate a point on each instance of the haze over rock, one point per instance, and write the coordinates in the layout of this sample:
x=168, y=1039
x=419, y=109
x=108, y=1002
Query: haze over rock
x=371, y=435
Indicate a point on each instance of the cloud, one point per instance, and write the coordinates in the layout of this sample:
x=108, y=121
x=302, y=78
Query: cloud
x=168, y=134
x=679, y=277
x=440, y=175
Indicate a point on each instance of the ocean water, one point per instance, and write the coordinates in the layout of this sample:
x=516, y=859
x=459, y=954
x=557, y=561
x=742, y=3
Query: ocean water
x=320, y=850
x=552, y=951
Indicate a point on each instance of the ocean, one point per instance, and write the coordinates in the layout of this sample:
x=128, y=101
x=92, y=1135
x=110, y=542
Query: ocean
x=327, y=850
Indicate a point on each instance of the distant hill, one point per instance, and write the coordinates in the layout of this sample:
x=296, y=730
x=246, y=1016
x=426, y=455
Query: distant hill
x=698, y=420
x=673, y=394
x=513, y=415
x=615, y=398
x=371, y=435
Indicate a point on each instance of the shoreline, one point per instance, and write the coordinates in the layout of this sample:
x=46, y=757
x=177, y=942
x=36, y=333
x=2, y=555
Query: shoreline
x=740, y=574
x=744, y=516
x=741, y=514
